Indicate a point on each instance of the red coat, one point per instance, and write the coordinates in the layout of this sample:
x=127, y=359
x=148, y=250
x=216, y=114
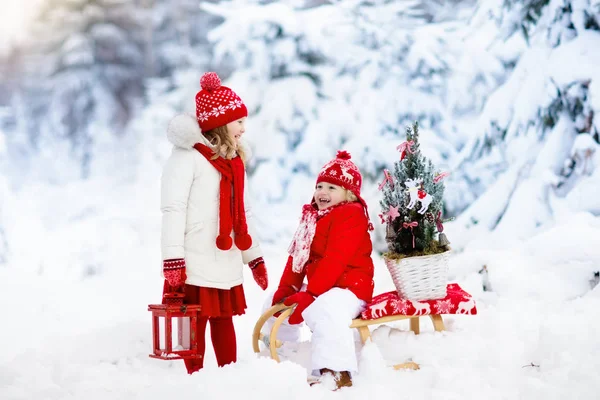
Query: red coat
x=340, y=255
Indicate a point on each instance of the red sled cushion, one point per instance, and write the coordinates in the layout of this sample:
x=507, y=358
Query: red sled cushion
x=457, y=301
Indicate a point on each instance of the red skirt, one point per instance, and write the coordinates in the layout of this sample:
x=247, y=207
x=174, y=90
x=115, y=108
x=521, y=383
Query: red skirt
x=214, y=302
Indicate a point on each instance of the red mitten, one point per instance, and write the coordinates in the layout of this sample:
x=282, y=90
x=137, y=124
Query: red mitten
x=281, y=293
x=303, y=300
x=259, y=272
x=174, y=272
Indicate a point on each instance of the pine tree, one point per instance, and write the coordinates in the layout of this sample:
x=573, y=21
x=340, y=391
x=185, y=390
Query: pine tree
x=84, y=76
x=338, y=76
x=4, y=209
x=415, y=183
x=511, y=152
x=177, y=39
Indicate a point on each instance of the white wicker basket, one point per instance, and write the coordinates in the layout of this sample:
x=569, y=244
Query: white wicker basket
x=420, y=278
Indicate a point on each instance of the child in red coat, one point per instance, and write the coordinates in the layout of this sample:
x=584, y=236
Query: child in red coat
x=332, y=249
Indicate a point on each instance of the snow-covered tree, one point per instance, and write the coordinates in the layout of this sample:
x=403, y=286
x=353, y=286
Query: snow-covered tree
x=412, y=202
x=7, y=76
x=84, y=71
x=176, y=33
x=346, y=75
x=3, y=195
x=522, y=160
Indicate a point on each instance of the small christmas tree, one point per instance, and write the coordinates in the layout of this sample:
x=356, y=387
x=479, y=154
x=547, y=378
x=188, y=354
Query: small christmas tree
x=412, y=203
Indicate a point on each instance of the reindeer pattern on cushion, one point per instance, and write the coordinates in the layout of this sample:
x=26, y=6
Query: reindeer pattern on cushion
x=465, y=307
x=421, y=308
x=457, y=301
x=378, y=310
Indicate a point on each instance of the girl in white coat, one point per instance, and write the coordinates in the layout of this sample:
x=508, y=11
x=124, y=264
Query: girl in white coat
x=207, y=227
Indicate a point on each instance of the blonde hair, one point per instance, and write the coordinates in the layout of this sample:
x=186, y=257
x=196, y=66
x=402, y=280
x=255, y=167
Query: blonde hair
x=219, y=137
x=350, y=196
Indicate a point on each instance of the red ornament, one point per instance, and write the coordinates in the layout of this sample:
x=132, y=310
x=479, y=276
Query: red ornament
x=210, y=81
x=164, y=345
x=438, y=222
x=392, y=213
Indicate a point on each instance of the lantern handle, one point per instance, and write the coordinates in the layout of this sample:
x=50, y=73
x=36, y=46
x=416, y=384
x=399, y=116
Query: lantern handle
x=173, y=298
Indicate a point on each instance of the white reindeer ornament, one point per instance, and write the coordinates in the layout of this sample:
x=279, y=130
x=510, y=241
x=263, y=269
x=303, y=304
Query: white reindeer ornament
x=417, y=194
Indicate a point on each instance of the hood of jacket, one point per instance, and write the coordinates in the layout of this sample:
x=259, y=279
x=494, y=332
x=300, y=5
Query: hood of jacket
x=184, y=132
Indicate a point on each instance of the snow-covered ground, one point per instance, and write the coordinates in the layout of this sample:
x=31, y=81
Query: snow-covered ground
x=79, y=263
x=75, y=320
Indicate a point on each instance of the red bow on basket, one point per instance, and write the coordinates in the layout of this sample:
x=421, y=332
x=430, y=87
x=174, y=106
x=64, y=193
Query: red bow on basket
x=411, y=225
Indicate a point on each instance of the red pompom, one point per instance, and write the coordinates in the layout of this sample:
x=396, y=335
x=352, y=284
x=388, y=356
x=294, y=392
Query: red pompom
x=243, y=242
x=210, y=81
x=224, y=242
x=343, y=155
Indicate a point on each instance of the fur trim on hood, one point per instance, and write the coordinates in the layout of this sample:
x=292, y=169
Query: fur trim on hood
x=184, y=132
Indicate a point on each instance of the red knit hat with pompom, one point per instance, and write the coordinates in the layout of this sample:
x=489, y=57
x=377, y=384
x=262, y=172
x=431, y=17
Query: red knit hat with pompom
x=217, y=105
x=343, y=172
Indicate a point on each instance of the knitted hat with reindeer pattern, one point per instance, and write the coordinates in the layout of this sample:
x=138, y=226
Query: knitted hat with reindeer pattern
x=343, y=172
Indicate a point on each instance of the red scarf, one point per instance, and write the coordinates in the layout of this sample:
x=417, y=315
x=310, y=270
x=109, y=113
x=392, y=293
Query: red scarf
x=231, y=216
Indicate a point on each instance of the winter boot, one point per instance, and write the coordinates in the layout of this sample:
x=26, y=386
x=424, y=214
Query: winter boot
x=343, y=379
x=333, y=380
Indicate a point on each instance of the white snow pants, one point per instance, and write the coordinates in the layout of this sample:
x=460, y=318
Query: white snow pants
x=329, y=318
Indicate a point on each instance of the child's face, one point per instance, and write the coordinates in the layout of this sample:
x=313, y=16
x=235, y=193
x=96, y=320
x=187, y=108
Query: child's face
x=236, y=129
x=328, y=194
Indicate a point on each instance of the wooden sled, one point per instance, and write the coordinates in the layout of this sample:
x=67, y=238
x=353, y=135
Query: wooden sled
x=362, y=325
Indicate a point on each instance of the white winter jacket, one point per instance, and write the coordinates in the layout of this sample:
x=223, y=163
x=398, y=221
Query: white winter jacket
x=190, y=209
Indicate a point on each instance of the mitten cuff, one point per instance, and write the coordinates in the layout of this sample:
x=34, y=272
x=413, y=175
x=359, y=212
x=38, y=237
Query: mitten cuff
x=174, y=264
x=254, y=263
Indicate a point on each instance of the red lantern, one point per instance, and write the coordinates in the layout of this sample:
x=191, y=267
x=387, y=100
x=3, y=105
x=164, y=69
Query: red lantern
x=183, y=317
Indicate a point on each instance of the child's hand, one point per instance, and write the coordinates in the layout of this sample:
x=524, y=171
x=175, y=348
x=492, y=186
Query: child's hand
x=259, y=272
x=303, y=299
x=174, y=272
x=281, y=293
